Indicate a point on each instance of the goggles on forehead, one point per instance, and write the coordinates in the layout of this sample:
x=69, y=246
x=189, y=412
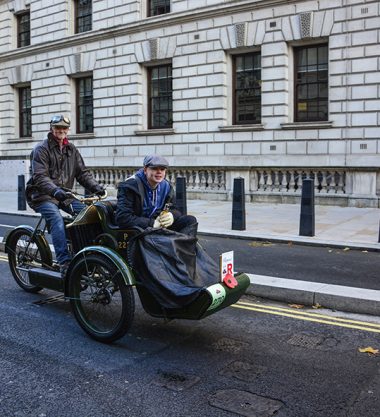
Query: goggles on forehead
x=60, y=120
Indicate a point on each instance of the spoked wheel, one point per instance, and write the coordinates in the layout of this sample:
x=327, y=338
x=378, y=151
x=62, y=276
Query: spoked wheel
x=102, y=303
x=24, y=253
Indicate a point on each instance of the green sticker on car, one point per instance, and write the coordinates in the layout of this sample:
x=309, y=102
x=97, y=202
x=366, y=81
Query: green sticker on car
x=218, y=294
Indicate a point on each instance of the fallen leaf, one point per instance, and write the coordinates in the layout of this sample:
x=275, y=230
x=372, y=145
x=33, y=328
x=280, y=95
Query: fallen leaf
x=290, y=243
x=370, y=350
x=257, y=244
x=253, y=244
x=296, y=305
x=317, y=305
x=346, y=249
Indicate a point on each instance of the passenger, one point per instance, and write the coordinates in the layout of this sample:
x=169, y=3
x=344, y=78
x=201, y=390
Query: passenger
x=56, y=163
x=142, y=198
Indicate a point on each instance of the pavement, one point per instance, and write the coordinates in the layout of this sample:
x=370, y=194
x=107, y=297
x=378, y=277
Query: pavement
x=343, y=227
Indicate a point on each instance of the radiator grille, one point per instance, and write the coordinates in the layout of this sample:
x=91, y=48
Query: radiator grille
x=83, y=235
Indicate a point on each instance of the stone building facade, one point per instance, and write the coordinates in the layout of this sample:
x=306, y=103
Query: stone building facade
x=222, y=119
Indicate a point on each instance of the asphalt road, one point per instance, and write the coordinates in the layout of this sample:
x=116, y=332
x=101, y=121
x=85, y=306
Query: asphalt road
x=253, y=359
x=353, y=268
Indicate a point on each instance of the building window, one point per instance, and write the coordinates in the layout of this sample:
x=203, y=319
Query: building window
x=311, y=83
x=160, y=97
x=25, y=112
x=83, y=16
x=156, y=7
x=23, y=29
x=84, y=105
x=247, y=89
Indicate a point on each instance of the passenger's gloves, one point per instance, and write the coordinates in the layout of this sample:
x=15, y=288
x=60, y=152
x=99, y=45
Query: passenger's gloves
x=166, y=219
x=60, y=195
x=157, y=223
x=100, y=191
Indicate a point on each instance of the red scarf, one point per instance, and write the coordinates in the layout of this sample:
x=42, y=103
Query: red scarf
x=64, y=142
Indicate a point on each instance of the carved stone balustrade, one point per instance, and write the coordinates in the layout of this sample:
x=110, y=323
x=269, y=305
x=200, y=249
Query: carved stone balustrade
x=333, y=186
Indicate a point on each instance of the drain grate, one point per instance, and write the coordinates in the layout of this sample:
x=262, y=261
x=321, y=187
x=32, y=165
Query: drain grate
x=229, y=345
x=244, y=371
x=50, y=300
x=245, y=403
x=175, y=381
x=306, y=340
x=311, y=341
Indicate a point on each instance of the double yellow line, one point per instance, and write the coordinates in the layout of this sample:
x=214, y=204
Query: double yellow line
x=313, y=317
x=299, y=314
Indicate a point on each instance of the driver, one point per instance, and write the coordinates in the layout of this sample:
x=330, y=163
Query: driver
x=142, y=198
x=55, y=164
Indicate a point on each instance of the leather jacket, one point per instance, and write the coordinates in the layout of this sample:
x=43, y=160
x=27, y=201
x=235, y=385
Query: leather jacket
x=52, y=169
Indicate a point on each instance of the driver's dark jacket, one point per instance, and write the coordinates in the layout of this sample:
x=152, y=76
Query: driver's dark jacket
x=52, y=169
x=129, y=209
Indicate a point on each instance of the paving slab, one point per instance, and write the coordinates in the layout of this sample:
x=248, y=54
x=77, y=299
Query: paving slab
x=334, y=226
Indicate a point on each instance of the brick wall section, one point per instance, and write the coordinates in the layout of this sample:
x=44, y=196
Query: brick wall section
x=199, y=43
x=6, y=29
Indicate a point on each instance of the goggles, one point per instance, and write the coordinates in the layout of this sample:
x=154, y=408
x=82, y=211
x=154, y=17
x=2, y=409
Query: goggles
x=60, y=121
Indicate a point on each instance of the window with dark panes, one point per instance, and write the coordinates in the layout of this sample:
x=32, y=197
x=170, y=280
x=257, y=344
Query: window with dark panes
x=247, y=88
x=25, y=112
x=311, y=83
x=160, y=97
x=83, y=16
x=84, y=105
x=23, y=29
x=156, y=7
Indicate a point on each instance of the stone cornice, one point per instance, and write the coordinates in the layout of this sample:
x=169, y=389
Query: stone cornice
x=307, y=125
x=145, y=24
x=154, y=132
x=241, y=128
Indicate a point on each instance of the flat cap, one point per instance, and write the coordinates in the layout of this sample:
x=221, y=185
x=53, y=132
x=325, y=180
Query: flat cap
x=155, y=161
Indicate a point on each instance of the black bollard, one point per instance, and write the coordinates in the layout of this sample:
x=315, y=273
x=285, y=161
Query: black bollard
x=180, y=192
x=238, y=205
x=21, y=202
x=307, y=218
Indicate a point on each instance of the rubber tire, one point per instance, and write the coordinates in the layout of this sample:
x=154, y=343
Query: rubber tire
x=13, y=262
x=80, y=267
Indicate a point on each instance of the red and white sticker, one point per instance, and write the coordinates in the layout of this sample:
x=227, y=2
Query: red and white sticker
x=227, y=269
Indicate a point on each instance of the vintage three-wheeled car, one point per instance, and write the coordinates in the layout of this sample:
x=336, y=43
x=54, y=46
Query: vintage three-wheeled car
x=100, y=281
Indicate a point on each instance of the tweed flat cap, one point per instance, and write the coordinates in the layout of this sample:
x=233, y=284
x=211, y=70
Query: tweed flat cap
x=155, y=161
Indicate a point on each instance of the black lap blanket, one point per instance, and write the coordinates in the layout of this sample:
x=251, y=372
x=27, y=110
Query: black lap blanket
x=172, y=266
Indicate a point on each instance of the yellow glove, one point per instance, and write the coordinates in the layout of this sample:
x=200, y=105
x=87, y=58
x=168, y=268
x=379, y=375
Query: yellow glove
x=166, y=219
x=157, y=223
